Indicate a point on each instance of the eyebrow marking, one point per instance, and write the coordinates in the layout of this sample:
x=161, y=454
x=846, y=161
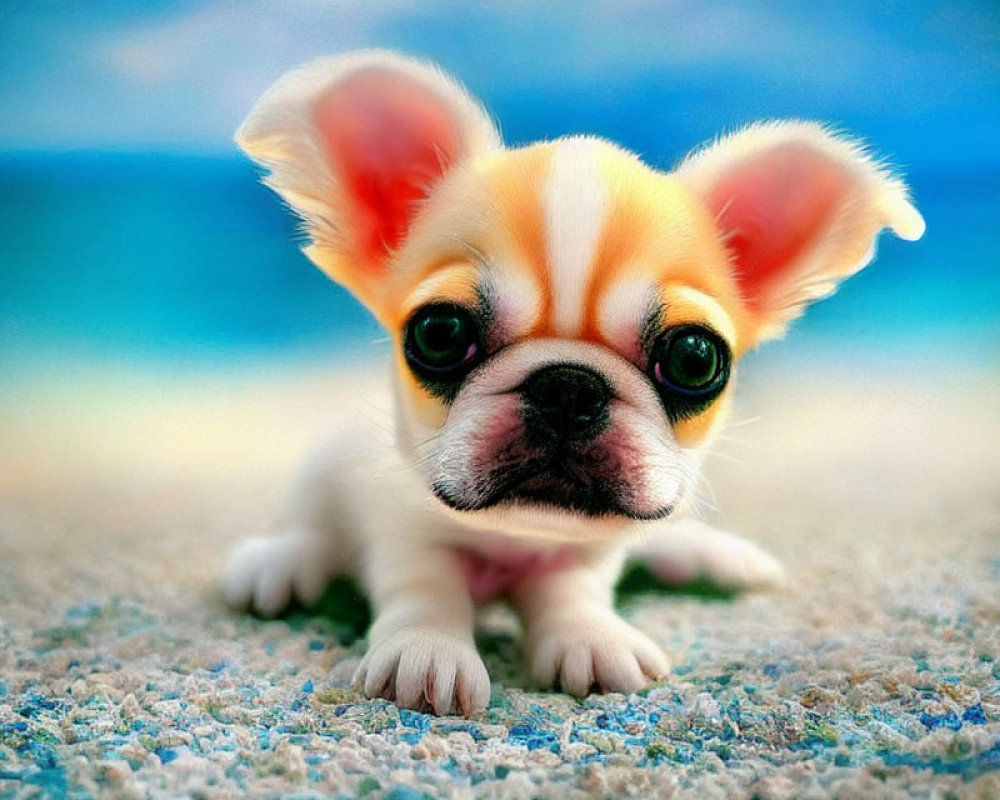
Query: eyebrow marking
x=575, y=201
x=625, y=312
x=517, y=184
x=515, y=300
x=456, y=283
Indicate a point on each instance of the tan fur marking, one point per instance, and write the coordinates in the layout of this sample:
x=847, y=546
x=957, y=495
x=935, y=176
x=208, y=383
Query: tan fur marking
x=454, y=284
x=517, y=178
x=457, y=283
x=693, y=431
x=430, y=410
x=686, y=305
x=657, y=231
x=657, y=227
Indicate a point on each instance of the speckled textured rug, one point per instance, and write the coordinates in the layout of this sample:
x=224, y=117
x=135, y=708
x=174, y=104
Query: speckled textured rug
x=876, y=673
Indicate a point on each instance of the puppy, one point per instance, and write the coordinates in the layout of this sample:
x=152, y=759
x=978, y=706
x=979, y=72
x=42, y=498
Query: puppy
x=566, y=324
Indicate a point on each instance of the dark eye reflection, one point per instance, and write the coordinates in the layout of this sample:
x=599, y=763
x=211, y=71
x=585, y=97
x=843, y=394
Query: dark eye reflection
x=689, y=365
x=442, y=343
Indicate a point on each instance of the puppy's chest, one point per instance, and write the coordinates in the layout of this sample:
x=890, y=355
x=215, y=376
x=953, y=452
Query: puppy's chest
x=490, y=576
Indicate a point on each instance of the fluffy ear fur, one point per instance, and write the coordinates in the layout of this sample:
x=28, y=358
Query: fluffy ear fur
x=354, y=144
x=799, y=210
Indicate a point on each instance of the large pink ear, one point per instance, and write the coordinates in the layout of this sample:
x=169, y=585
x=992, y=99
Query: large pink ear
x=354, y=144
x=798, y=210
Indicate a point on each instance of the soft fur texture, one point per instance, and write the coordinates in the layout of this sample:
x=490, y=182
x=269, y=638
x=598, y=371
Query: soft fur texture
x=572, y=256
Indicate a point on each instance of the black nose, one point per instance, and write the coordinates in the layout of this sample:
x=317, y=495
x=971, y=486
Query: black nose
x=571, y=400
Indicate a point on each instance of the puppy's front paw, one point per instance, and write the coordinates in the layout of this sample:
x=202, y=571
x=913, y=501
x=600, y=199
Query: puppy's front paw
x=418, y=668
x=263, y=573
x=598, y=648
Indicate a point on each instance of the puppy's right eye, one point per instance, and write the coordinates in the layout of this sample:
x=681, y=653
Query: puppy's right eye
x=442, y=343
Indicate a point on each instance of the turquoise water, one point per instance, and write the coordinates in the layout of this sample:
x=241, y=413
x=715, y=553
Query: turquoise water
x=151, y=256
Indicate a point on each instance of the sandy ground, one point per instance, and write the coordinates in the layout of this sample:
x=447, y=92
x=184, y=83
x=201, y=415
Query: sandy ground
x=882, y=498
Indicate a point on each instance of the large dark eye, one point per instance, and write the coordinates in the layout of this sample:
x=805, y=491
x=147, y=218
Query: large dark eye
x=690, y=364
x=442, y=342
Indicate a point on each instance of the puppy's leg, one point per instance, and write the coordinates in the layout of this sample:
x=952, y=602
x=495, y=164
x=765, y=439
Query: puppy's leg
x=420, y=648
x=265, y=572
x=680, y=552
x=310, y=545
x=575, y=637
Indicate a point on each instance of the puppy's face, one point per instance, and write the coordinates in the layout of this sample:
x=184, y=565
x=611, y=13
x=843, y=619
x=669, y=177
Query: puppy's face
x=566, y=348
x=566, y=320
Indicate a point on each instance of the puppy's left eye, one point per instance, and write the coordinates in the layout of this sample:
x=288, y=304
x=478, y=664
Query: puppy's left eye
x=689, y=365
x=442, y=342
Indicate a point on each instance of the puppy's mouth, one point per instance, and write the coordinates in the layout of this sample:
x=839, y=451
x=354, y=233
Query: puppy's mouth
x=555, y=481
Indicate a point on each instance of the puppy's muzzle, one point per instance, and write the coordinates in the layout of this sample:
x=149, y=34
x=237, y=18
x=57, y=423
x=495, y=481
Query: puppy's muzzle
x=567, y=402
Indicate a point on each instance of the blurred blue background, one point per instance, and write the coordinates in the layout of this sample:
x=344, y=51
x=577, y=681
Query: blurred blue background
x=132, y=230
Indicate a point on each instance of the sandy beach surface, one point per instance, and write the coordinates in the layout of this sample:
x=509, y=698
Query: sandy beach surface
x=875, y=673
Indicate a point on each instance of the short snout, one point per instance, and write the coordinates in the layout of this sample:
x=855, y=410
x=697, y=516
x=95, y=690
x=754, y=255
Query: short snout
x=568, y=400
x=552, y=428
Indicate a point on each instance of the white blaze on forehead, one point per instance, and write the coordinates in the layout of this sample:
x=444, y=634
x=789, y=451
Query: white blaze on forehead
x=575, y=200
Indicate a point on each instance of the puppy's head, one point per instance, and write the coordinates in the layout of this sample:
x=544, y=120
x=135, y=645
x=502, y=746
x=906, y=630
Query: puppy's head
x=566, y=320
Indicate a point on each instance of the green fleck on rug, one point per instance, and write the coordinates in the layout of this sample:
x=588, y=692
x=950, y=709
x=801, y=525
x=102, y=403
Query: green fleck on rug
x=875, y=674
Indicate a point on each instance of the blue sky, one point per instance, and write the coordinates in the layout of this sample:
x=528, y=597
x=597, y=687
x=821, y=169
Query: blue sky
x=920, y=78
x=158, y=252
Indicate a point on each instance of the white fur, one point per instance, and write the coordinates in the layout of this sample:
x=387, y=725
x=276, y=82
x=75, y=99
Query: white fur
x=696, y=550
x=516, y=298
x=366, y=508
x=421, y=651
x=574, y=636
x=623, y=309
x=575, y=201
x=666, y=473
